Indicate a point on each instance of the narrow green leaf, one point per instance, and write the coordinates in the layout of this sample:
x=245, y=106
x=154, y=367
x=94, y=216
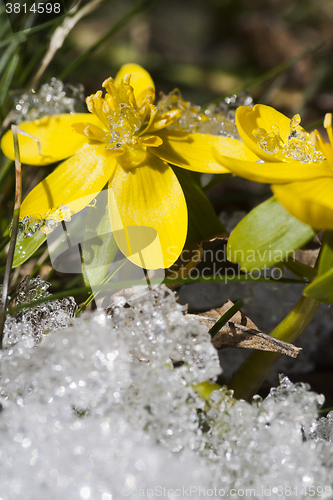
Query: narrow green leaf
x=26, y=247
x=203, y=223
x=5, y=57
x=300, y=270
x=254, y=82
x=267, y=235
x=326, y=254
x=322, y=288
x=5, y=168
x=8, y=77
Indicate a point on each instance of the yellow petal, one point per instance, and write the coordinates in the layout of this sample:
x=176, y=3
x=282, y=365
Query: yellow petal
x=140, y=80
x=260, y=116
x=148, y=214
x=310, y=201
x=272, y=173
x=57, y=138
x=74, y=183
x=195, y=151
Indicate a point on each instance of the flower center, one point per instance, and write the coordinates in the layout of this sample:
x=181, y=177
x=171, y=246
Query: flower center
x=127, y=129
x=123, y=126
x=299, y=145
x=119, y=113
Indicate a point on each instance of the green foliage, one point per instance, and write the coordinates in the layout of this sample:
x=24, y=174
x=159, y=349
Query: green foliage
x=267, y=235
x=26, y=247
x=322, y=287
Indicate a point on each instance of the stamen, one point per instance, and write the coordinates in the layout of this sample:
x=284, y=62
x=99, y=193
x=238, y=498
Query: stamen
x=328, y=127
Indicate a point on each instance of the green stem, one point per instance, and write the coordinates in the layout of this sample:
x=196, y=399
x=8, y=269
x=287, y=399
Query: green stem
x=249, y=377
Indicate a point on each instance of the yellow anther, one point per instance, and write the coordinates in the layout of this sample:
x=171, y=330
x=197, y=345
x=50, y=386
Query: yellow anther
x=127, y=79
x=105, y=108
x=107, y=83
x=328, y=127
x=328, y=120
x=90, y=103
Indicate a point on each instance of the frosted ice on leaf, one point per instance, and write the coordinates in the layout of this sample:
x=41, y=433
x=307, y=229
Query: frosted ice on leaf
x=216, y=119
x=53, y=98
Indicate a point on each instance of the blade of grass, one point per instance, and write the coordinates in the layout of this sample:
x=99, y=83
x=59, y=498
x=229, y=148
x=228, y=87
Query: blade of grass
x=325, y=410
x=7, y=78
x=4, y=242
x=314, y=85
x=4, y=169
x=30, y=66
x=253, y=82
x=225, y=317
x=129, y=284
x=6, y=55
x=115, y=28
x=16, y=218
x=93, y=295
x=315, y=124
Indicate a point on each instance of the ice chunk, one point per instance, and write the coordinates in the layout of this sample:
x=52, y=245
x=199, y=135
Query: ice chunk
x=215, y=119
x=53, y=98
x=106, y=409
x=41, y=319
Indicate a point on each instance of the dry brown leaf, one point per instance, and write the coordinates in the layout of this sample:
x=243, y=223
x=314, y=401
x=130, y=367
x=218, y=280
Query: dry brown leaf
x=241, y=332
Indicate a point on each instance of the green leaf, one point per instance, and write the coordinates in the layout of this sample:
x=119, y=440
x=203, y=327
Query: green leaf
x=267, y=235
x=322, y=287
x=203, y=222
x=99, y=247
x=26, y=247
x=300, y=270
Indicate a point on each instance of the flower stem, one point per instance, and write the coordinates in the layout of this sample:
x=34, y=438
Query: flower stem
x=249, y=377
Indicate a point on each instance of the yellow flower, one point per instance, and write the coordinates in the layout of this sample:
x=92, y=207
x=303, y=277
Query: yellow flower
x=124, y=141
x=298, y=165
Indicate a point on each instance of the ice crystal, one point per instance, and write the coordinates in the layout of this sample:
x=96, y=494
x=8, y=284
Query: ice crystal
x=52, y=98
x=28, y=226
x=298, y=147
x=107, y=409
x=34, y=322
x=217, y=119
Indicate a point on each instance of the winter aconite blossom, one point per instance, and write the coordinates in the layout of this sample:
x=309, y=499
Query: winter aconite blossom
x=298, y=165
x=124, y=142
